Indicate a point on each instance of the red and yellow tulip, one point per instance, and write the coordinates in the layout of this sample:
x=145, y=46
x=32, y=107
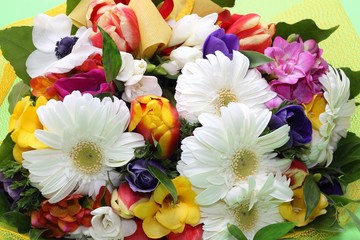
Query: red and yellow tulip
x=157, y=120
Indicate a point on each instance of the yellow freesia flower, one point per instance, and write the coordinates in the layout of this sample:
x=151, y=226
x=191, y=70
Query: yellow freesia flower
x=23, y=123
x=295, y=210
x=314, y=109
x=161, y=216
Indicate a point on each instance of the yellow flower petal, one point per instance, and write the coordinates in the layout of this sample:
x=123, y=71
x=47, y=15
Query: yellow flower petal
x=172, y=217
x=314, y=109
x=146, y=209
x=193, y=216
x=160, y=194
x=153, y=229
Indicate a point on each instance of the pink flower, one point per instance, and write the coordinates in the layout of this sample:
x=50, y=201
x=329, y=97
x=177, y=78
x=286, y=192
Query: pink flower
x=118, y=20
x=296, y=68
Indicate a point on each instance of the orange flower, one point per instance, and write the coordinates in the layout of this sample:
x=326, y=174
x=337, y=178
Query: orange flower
x=61, y=217
x=157, y=120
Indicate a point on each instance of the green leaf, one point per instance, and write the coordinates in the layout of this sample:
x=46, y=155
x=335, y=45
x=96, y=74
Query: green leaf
x=111, y=56
x=16, y=45
x=236, y=232
x=354, y=218
x=274, y=231
x=354, y=78
x=341, y=201
x=306, y=28
x=18, y=220
x=164, y=180
x=6, y=151
x=347, y=151
x=35, y=234
x=327, y=222
x=17, y=92
x=225, y=3
x=255, y=58
x=311, y=195
x=70, y=5
x=4, y=203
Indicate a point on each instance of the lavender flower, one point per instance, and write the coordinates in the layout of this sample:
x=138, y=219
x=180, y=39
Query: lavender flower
x=300, y=126
x=220, y=41
x=13, y=194
x=140, y=178
x=330, y=187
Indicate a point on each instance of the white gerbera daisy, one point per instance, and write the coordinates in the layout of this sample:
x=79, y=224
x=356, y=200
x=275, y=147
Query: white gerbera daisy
x=250, y=208
x=335, y=119
x=208, y=84
x=227, y=149
x=86, y=141
x=56, y=50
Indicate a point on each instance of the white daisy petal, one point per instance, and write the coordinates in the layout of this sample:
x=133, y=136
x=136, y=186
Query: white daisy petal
x=80, y=158
x=335, y=119
x=216, y=160
x=208, y=84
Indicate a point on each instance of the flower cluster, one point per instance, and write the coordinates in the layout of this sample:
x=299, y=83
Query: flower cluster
x=208, y=126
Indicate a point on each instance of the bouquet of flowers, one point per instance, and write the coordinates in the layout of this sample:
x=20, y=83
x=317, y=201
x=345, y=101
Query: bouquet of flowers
x=175, y=119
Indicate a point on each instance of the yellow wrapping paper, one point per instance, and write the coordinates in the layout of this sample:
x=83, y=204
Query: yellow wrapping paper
x=341, y=50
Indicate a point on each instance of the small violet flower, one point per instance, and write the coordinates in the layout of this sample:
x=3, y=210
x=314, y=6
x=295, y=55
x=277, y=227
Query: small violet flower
x=140, y=178
x=300, y=126
x=219, y=40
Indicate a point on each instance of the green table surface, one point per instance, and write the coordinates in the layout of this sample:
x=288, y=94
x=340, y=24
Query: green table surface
x=14, y=10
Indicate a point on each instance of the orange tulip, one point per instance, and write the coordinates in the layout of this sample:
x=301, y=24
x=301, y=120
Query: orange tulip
x=157, y=120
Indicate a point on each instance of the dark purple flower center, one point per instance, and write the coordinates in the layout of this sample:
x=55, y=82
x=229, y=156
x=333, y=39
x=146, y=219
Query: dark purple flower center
x=65, y=46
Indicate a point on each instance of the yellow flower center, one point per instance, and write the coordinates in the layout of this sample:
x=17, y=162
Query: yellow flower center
x=87, y=157
x=246, y=219
x=225, y=96
x=244, y=163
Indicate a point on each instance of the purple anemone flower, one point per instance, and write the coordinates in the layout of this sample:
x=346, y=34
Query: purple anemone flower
x=220, y=41
x=300, y=126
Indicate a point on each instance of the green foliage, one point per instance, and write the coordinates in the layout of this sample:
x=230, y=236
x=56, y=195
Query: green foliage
x=164, y=180
x=16, y=45
x=306, y=28
x=18, y=91
x=311, y=195
x=70, y=5
x=354, y=78
x=347, y=157
x=225, y=3
x=274, y=231
x=341, y=201
x=255, y=58
x=35, y=234
x=111, y=56
x=4, y=203
x=18, y=220
x=30, y=197
x=236, y=232
x=354, y=218
x=327, y=222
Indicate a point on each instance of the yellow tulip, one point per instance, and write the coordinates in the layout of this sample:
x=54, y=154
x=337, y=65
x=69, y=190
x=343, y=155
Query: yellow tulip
x=23, y=123
x=295, y=210
x=157, y=120
x=162, y=216
x=314, y=109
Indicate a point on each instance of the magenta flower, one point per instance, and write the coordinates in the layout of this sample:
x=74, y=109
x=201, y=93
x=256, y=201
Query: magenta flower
x=296, y=68
x=92, y=82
